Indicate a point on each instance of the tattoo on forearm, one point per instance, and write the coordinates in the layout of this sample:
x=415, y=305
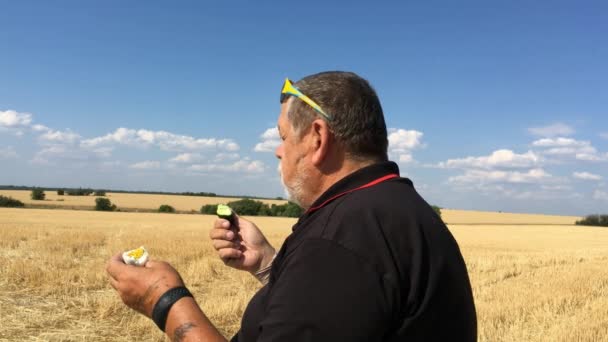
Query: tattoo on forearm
x=180, y=332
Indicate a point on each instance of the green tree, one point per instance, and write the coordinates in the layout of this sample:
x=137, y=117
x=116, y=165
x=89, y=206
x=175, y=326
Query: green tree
x=38, y=194
x=79, y=192
x=209, y=209
x=9, y=202
x=251, y=207
x=288, y=209
x=165, y=208
x=276, y=210
x=100, y=193
x=104, y=204
x=60, y=192
x=248, y=206
x=292, y=210
x=594, y=220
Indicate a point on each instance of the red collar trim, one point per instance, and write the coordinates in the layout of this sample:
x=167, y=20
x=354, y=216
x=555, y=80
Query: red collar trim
x=370, y=184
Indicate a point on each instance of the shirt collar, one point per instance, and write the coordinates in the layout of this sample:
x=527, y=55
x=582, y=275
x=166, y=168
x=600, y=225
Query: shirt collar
x=356, y=179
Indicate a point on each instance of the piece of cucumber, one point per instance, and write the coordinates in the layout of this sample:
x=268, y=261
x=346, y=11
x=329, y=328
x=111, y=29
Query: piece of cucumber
x=224, y=212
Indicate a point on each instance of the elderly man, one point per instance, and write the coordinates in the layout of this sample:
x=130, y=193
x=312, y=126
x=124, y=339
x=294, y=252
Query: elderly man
x=369, y=260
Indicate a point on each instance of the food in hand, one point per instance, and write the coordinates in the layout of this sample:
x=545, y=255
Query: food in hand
x=224, y=212
x=137, y=257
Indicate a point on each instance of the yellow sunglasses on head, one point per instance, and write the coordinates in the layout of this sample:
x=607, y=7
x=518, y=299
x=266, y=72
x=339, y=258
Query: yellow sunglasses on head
x=289, y=89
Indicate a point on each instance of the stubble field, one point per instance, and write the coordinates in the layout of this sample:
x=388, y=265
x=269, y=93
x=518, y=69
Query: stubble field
x=547, y=281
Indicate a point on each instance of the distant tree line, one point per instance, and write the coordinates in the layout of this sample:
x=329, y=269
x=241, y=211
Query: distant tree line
x=202, y=194
x=251, y=207
x=89, y=191
x=245, y=206
x=594, y=220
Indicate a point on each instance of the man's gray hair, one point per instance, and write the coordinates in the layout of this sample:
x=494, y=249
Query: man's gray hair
x=357, y=118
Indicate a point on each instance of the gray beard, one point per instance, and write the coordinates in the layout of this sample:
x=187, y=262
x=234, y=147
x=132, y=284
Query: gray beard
x=294, y=192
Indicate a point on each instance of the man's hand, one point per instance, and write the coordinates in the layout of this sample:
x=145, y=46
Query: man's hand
x=141, y=287
x=243, y=247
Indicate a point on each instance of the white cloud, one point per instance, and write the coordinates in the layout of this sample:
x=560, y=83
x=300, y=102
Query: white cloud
x=568, y=147
x=586, y=176
x=591, y=157
x=145, y=165
x=405, y=158
x=552, y=130
x=604, y=135
x=560, y=142
x=584, y=150
x=59, y=137
x=401, y=142
x=8, y=153
x=52, y=150
x=164, y=140
x=519, y=191
x=483, y=176
x=186, y=158
x=247, y=166
x=103, y=152
x=40, y=128
x=498, y=159
x=121, y=136
x=401, y=139
x=64, y=146
x=600, y=195
x=226, y=156
x=575, y=151
x=14, y=119
x=191, y=158
x=558, y=187
x=53, y=153
x=270, y=141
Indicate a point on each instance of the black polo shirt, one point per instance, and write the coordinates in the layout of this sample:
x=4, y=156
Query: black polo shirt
x=368, y=264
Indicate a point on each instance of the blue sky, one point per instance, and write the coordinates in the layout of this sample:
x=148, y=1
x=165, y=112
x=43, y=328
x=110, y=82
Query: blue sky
x=498, y=106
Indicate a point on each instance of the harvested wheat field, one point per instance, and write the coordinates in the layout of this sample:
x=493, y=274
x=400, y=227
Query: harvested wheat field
x=470, y=217
x=124, y=201
x=531, y=283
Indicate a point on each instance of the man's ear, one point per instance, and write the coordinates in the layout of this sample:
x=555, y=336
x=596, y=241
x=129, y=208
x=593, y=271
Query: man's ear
x=321, y=138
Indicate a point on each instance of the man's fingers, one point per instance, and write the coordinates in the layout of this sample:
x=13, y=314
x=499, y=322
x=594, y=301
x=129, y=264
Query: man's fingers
x=115, y=265
x=220, y=244
x=117, y=258
x=229, y=253
x=114, y=283
x=152, y=263
x=221, y=224
x=221, y=234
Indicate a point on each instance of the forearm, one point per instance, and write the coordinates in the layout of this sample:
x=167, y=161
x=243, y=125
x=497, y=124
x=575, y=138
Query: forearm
x=186, y=322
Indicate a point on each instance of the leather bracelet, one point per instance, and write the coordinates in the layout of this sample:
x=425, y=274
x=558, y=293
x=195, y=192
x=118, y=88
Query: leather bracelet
x=164, y=304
